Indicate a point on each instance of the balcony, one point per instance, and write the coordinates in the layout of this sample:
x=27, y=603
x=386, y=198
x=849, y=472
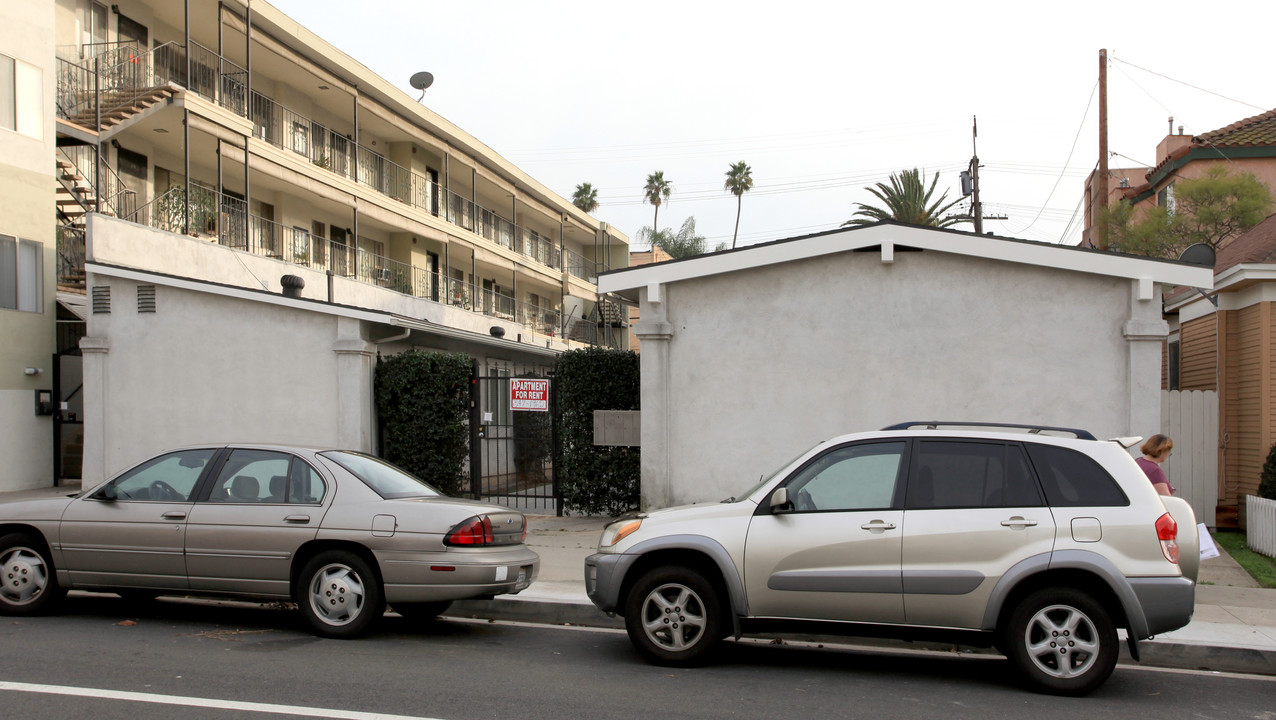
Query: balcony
x=225, y=220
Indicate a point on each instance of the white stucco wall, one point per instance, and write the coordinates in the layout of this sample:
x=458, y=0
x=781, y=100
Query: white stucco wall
x=760, y=364
x=210, y=368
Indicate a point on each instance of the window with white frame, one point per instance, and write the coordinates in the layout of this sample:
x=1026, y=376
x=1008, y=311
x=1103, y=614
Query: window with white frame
x=21, y=274
x=21, y=97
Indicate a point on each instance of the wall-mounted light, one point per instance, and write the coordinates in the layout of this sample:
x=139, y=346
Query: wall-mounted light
x=32, y=371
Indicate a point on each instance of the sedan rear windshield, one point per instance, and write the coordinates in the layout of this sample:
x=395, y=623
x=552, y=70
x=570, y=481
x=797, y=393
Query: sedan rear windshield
x=387, y=480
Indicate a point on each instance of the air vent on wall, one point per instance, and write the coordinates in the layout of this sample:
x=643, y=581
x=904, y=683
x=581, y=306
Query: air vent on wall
x=101, y=300
x=146, y=298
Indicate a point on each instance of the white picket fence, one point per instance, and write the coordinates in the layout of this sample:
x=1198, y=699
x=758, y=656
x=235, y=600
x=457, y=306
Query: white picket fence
x=1260, y=525
x=1190, y=418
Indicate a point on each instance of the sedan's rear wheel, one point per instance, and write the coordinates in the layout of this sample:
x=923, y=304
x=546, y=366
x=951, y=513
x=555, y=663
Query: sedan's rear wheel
x=1062, y=641
x=28, y=583
x=340, y=594
x=674, y=616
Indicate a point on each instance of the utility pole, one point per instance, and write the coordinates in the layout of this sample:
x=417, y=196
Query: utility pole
x=1101, y=183
x=970, y=182
x=976, y=208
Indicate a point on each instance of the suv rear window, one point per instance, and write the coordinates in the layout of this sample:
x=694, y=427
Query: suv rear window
x=1073, y=479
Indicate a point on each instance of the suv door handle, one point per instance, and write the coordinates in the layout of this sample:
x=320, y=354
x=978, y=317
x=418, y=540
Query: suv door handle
x=877, y=526
x=174, y=515
x=297, y=519
x=1018, y=522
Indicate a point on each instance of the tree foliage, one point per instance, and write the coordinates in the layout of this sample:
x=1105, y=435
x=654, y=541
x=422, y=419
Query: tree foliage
x=739, y=181
x=906, y=199
x=657, y=191
x=585, y=197
x=684, y=243
x=422, y=401
x=1211, y=209
x=1267, y=482
x=596, y=480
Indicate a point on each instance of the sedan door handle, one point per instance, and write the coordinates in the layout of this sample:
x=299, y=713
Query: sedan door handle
x=1018, y=522
x=877, y=526
x=174, y=515
x=297, y=519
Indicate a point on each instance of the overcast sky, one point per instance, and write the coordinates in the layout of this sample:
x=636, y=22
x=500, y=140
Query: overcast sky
x=820, y=98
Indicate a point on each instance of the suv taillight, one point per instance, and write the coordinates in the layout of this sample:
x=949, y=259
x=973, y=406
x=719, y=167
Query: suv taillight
x=475, y=531
x=1167, y=531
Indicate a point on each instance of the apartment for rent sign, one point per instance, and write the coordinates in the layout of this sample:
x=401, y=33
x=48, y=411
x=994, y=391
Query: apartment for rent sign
x=529, y=394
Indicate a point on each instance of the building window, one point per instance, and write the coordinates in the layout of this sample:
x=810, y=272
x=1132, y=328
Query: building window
x=1165, y=198
x=21, y=274
x=21, y=98
x=1172, y=365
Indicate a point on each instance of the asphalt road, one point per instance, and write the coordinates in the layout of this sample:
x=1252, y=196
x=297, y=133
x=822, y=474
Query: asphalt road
x=105, y=658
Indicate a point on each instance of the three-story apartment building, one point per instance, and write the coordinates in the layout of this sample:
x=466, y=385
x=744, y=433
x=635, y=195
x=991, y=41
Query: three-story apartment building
x=238, y=177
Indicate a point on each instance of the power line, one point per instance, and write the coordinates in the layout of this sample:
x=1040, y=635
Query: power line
x=1180, y=82
x=1067, y=162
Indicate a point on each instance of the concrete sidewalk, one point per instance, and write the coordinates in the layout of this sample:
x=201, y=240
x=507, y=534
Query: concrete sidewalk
x=1233, y=628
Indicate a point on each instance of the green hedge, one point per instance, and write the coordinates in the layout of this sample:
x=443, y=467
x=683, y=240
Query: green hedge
x=422, y=401
x=1267, y=482
x=596, y=480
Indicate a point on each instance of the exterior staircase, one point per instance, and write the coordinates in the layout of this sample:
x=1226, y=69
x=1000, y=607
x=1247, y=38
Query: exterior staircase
x=120, y=107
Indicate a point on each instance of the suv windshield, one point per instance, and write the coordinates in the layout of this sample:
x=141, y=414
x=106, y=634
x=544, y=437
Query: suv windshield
x=387, y=480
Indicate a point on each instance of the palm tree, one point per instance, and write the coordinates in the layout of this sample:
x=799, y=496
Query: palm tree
x=656, y=191
x=685, y=243
x=739, y=181
x=907, y=200
x=585, y=197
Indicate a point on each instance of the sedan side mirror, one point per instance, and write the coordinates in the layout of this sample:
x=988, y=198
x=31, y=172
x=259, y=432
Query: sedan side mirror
x=780, y=501
x=108, y=492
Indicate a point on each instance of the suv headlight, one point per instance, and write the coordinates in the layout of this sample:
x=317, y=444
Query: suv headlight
x=618, y=531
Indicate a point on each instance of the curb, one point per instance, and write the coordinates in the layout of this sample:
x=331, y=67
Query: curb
x=1154, y=653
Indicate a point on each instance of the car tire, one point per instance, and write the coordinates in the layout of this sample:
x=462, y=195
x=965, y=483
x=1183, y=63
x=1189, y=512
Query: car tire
x=28, y=581
x=339, y=594
x=422, y=611
x=674, y=616
x=1061, y=641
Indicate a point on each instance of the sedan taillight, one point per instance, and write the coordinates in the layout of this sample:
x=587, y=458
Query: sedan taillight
x=475, y=531
x=1167, y=531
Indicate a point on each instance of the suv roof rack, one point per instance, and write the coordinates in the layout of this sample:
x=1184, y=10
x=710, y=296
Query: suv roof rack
x=1032, y=429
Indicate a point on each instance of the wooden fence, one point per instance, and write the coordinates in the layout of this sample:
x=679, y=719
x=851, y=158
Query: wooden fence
x=1190, y=418
x=1260, y=525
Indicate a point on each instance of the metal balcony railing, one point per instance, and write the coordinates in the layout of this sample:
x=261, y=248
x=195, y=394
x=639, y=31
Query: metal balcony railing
x=225, y=219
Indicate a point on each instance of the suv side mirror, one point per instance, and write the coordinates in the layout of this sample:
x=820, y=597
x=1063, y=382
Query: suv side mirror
x=780, y=501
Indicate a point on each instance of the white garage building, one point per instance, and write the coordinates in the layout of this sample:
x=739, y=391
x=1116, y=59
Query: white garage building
x=752, y=356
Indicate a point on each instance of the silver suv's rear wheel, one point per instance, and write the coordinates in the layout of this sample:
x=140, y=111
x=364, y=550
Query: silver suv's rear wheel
x=674, y=616
x=1062, y=641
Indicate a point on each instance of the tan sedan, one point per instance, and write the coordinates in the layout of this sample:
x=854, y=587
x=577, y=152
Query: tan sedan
x=340, y=533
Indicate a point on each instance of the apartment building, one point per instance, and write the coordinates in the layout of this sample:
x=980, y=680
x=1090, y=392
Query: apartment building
x=27, y=242
x=221, y=159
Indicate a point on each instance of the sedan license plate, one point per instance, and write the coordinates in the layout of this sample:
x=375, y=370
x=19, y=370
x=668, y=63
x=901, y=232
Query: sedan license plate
x=522, y=581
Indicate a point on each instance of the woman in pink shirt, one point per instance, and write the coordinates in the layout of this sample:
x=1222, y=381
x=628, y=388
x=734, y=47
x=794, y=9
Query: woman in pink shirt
x=1156, y=451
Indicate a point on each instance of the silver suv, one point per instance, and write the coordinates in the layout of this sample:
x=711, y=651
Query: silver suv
x=1038, y=541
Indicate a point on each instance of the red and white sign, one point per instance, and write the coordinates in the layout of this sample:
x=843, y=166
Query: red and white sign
x=529, y=394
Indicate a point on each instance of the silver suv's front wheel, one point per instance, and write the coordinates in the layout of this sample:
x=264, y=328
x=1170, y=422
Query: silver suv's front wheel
x=674, y=616
x=1061, y=641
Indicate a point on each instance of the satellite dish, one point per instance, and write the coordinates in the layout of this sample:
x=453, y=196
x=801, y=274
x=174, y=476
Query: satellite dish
x=421, y=81
x=1198, y=254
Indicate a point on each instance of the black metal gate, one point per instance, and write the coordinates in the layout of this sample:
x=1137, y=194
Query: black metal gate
x=512, y=451
x=68, y=416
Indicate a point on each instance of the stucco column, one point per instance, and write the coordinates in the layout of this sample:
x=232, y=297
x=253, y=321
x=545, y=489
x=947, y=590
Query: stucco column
x=654, y=333
x=354, y=387
x=1145, y=333
x=93, y=351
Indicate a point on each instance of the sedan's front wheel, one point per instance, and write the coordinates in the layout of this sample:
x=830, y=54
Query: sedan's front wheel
x=28, y=583
x=674, y=616
x=340, y=594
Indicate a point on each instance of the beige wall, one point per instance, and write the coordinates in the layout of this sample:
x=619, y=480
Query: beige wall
x=26, y=185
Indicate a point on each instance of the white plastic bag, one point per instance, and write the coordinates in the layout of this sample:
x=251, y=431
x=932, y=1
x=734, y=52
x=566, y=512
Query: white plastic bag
x=1208, y=548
